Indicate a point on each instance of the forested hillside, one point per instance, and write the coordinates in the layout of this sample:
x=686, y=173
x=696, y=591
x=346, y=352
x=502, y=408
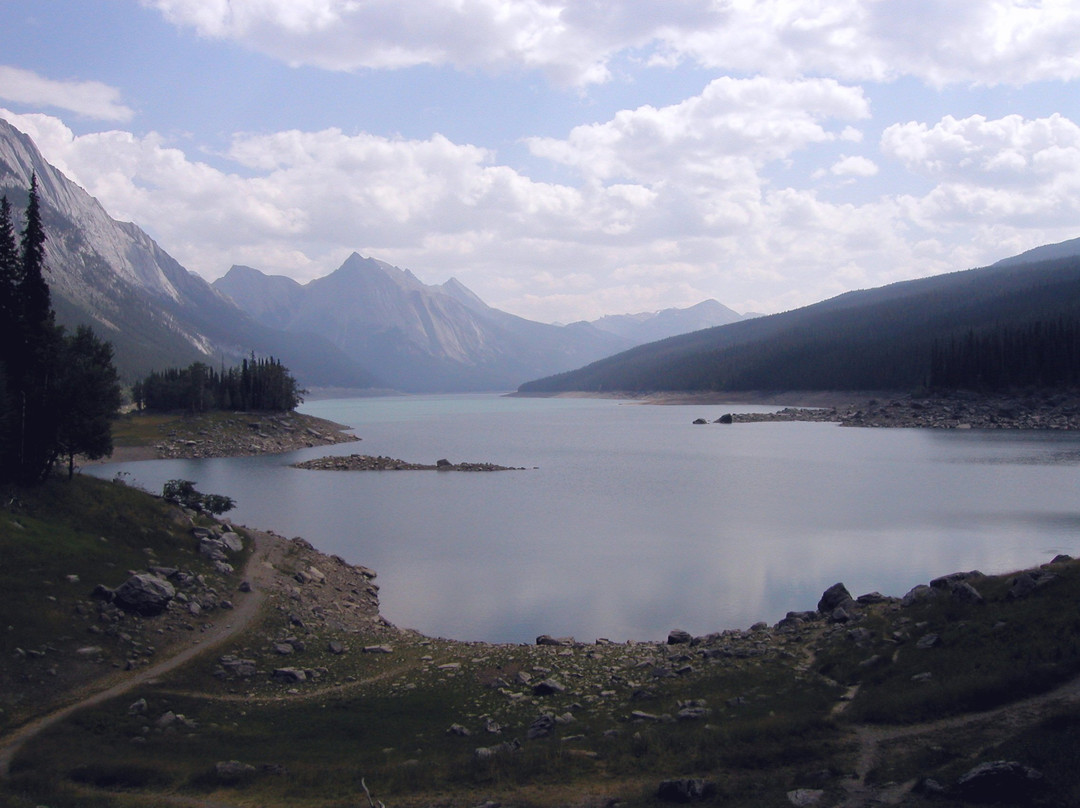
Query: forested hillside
x=974, y=329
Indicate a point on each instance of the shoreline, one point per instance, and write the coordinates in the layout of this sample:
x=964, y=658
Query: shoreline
x=1039, y=410
x=219, y=434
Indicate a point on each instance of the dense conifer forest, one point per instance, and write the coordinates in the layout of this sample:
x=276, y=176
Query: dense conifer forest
x=997, y=328
x=258, y=384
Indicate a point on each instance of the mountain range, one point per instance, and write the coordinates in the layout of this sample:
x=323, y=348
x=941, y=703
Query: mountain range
x=416, y=337
x=367, y=324
x=1011, y=318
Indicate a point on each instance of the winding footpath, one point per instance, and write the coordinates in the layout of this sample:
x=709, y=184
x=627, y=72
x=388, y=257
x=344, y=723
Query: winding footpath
x=260, y=569
x=872, y=737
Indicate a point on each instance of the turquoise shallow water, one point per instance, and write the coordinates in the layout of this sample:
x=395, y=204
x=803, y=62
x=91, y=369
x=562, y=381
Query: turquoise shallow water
x=630, y=521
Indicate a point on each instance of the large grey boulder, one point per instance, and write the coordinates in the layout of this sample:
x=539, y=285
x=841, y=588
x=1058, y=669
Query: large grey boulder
x=835, y=596
x=232, y=541
x=144, y=594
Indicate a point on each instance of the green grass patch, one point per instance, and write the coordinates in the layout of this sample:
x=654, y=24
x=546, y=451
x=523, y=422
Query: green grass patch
x=988, y=653
x=142, y=429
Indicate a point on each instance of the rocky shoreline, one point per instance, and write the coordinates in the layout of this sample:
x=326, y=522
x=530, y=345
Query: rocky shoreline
x=357, y=462
x=1060, y=411
x=229, y=434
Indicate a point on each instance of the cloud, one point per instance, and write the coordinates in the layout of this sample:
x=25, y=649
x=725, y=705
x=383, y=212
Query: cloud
x=89, y=99
x=575, y=41
x=669, y=205
x=733, y=126
x=1010, y=170
x=854, y=166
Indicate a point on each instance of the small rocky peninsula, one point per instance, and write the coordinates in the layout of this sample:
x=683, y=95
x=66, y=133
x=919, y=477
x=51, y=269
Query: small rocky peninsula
x=222, y=434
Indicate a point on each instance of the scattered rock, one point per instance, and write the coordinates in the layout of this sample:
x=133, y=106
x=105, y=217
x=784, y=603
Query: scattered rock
x=928, y=641
x=542, y=727
x=144, y=594
x=805, y=797
x=232, y=771
x=685, y=790
x=289, y=675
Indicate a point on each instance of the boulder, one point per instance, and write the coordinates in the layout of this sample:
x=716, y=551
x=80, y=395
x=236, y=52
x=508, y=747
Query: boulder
x=102, y=592
x=548, y=687
x=1000, y=781
x=213, y=548
x=725, y=419
x=835, y=596
x=805, y=797
x=950, y=580
x=928, y=641
x=231, y=771
x=231, y=541
x=687, y=789
x=547, y=639
x=488, y=752
x=543, y=726
x=144, y=594
x=966, y=593
x=289, y=675
x=917, y=594
x=678, y=637
x=138, y=707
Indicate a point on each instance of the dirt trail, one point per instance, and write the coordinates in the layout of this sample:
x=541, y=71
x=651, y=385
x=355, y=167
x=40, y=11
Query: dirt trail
x=1008, y=718
x=266, y=555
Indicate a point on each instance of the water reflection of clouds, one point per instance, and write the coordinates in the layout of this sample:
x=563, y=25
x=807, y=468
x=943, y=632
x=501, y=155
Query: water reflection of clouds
x=638, y=522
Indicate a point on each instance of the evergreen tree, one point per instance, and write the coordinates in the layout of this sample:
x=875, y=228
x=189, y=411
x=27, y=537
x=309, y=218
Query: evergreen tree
x=87, y=398
x=33, y=290
x=58, y=394
x=10, y=272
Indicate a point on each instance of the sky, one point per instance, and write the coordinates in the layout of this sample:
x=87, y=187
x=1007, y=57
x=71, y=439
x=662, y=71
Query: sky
x=566, y=159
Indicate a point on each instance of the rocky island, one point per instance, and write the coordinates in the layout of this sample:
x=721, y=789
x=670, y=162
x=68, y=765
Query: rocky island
x=358, y=462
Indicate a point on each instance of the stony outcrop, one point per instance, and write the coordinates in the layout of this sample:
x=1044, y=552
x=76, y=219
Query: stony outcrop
x=1048, y=410
x=144, y=594
x=242, y=434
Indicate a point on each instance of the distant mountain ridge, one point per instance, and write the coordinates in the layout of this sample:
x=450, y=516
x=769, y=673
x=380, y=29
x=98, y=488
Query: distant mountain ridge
x=418, y=337
x=657, y=325
x=877, y=339
x=114, y=277
x=413, y=336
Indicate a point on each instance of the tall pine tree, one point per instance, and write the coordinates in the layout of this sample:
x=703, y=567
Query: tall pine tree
x=58, y=394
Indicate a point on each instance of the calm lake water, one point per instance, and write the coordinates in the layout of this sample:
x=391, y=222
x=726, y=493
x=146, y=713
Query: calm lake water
x=631, y=521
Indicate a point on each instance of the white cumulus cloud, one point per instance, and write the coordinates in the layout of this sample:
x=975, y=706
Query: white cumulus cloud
x=90, y=99
x=575, y=41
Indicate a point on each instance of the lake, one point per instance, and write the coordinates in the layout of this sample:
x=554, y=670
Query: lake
x=630, y=521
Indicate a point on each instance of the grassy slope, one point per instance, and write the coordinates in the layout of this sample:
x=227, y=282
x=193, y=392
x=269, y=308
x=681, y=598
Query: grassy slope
x=384, y=717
